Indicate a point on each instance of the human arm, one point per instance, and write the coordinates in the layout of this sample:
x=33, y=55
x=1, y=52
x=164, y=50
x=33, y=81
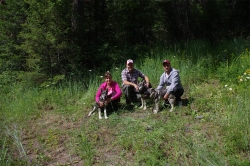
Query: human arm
x=175, y=79
x=161, y=83
x=98, y=94
x=118, y=91
x=147, y=81
x=125, y=82
x=143, y=76
x=127, y=79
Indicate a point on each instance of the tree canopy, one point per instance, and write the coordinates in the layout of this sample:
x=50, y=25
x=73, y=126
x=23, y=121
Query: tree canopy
x=69, y=37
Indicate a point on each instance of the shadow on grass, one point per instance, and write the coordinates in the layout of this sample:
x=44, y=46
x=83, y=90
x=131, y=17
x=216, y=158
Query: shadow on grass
x=185, y=102
x=163, y=106
x=123, y=107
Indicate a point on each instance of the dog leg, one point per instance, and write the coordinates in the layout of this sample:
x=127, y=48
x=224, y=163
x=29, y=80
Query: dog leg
x=105, y=113
x=155, y=111
x=100, y=113
x=172, y=108
x=171, y=100
x=143, y=104
x=91, y=112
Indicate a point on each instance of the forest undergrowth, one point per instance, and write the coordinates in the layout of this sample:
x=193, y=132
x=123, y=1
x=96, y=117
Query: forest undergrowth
x=48, y=125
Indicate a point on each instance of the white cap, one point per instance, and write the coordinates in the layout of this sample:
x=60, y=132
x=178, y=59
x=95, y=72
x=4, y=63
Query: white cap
x=129, y=61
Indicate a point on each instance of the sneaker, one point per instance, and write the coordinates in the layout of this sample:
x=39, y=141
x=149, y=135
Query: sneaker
x=179, y=103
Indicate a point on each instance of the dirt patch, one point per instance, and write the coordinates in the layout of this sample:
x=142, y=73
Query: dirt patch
x=46, y=140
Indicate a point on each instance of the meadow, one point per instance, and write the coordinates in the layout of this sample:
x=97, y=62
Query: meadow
x=48, y=125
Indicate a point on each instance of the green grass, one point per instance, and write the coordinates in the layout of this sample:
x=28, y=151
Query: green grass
x=49, y=125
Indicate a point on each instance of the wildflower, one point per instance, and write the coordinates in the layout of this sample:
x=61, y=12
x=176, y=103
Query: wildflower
x=101, y=76
x=90, y=70
x=247, y=77
x=230, y=89
x=116, y=68
x=47, y=86
x=245, y=73
x=241, y=80
x=225, y=86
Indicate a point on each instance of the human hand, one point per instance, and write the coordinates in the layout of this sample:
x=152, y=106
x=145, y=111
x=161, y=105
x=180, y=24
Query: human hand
x=165, y=96
x=101, y=104
x=108, y=100
x=136, y=87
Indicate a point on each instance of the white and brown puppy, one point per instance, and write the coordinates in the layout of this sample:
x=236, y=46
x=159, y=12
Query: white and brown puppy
x=102, y=98
x=159, y=96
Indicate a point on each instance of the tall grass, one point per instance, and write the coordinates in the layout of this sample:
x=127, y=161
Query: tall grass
x=211, y=129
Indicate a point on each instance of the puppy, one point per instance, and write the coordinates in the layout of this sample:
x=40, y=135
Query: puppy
x=159, y=96
x=102, y=98
x=144, y=93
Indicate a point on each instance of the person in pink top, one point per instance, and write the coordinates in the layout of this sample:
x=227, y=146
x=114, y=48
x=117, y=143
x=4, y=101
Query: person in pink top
x=114, y=92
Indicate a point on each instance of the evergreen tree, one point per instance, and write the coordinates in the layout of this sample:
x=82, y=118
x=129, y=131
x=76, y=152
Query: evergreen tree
x=12, y=15
x=45, y=36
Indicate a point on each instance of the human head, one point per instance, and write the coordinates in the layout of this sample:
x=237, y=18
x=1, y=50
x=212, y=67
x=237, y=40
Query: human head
x=165, y=62
x=108, y=77
x=130, y=64
x=167, y=66
x=107, y=74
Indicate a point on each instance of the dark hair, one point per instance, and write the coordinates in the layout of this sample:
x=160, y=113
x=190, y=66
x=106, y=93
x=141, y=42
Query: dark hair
x=107, y=74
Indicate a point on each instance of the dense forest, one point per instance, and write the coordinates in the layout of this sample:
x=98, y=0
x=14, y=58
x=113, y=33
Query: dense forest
x=44, y=39
x=52, y=57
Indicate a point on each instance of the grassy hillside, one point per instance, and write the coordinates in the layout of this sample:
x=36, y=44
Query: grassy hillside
x=49, y=125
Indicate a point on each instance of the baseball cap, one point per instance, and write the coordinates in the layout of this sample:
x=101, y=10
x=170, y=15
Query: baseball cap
x=130, y=61
x=166, y=61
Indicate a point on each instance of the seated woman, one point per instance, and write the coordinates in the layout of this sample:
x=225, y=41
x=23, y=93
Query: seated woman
x=114, y=92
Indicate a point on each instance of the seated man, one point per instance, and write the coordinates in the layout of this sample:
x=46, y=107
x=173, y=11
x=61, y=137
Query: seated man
x=171, y=79
x=130, y=77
